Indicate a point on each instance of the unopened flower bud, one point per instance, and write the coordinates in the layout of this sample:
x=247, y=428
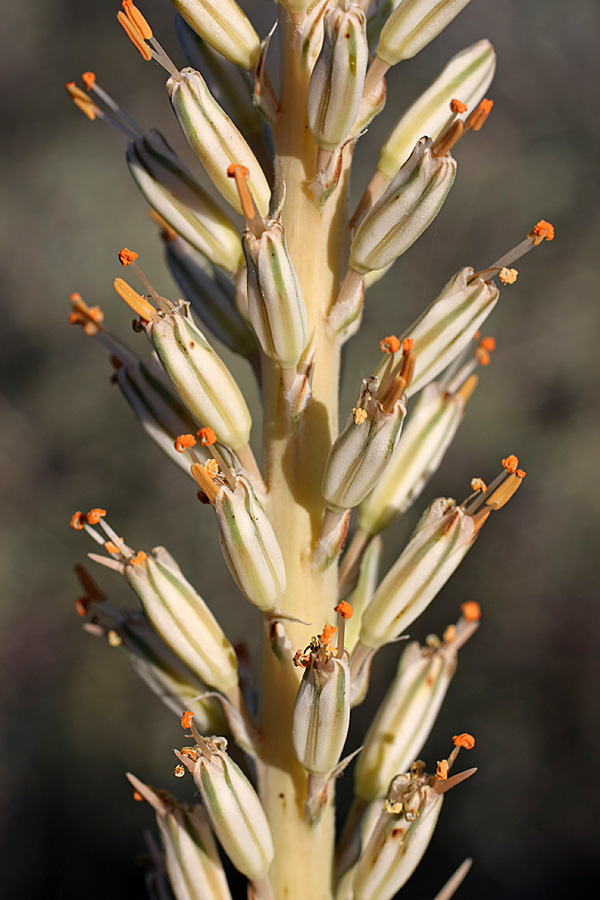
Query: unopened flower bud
x=296, y=7
x=337, y=80
x=275, y=303
x=427, y=435
x=364, y=448
x=225, y=26
x=399, y=840
x=443, y=331
x=183, y=204
x=322, y=708
x=247, y=539
x=406, y=208
x=182, y=619
x=408, y=712
x=191, y=856
x=233, y=807
x=467, y=76
x=200, y=377
x=412, y=25
x=215, y=139
x=211, y=296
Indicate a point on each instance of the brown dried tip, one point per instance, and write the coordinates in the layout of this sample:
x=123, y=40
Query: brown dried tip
x=344, y=610
x=187, y=718
x=390, y=344
x=89, y=80
x=184, y=442
x=457, y=106
x=126, y=257
x=542, y=230
x=207, y=436
x=471, y=611
x=467, y=741
x=510, y=464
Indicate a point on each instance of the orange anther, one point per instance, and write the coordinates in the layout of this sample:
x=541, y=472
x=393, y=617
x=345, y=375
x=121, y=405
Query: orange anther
x=482, y=356
x=344, y=610
x=138, y=559
x=488, y=343
x=137, y=19
x=126, y=257
x=457, y=106
x=241, y=175
x=327, y=634
x=211, y=467
x=179, y=771
x=134, y=301
x=543, y=230
x=184, y=442
x=479, y=115
x=478, y=485
x=471, y=611
x=508, y=276
x=235, y=169
x=77, y=520
x=134, y=35
x=441, y=773
x=407, y=345
x=82, y=101
x=390, y=344
x=138, y=797
x=82, y=605
x=111, y=548
x=477, y=335
x=186, y=719
x=89, y=79
x=94, y=516
x=510, y=464
x=521, y=473
x=464, y=740
x=207, y=436
x=301, y=659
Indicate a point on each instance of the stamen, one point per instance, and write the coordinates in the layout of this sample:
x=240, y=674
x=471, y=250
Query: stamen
x=138, y=559
x=94, y=516
x=135, y=301
x=89, y=80
x=449, y=635
x=207, y=436
x=471, y=611
x=479, y=115
x=253, y=220
x=179, y=771
x=466, y=390
x=507, y=276
x=542, y=230
x=184, y=442
x=390, y=344
x=126, y=257
x=478, y=485
x=488, y=343
x=77, y=521
x=482, y=356
x=510, y=463
x=458, y=107
x=465, y=740
x=138, y=797
x=89, y=317
x=441, y=772
x=507, y=489
x=135, y=36
x=359, y=415
x=187, y=718
x=205, y=481
x=114, y=638
x=328, y=634
x=82, y=101
x=137, y=19
x=344, y=611
x=446, y=141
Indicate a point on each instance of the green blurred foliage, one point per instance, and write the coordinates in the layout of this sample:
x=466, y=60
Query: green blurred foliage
x=74, y=716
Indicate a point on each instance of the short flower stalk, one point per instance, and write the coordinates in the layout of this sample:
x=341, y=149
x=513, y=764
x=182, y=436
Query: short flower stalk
x=274, y=268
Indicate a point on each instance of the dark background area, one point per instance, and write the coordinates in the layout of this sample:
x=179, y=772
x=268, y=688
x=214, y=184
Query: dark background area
x=74, y=717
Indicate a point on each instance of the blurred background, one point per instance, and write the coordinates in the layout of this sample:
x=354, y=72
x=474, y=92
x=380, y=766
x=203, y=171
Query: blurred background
x=74, y=717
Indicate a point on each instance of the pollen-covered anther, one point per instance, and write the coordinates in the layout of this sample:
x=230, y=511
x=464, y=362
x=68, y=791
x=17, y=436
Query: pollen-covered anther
x=542, y=230
x=136, y=18
x=510, y=463
x=482, y=356
x=183, y=442
x=521, y=473
x=457, y=106
x=212, y=467
x=187, y=719
x=89, y=80
x=359, y=415
x=390, y=344
x=479, y=115
x=441, y=772
x=465, y=740
x=126, y=257
x=130, y=26
x=111, y=547
x=471, y=611
x=179, y=771
x=82, y=101
x=344, y=609
x=94, y=516
x=478, y=485
x=488, y=343
x=393, y=809
x=328, y=634
x=207, y=436
x=138, y=559
x=191, y=752
x=507, y=276
x=407, y=345
x=77, y=520
x=301, y=659
x=135, y=301
x=89, y=317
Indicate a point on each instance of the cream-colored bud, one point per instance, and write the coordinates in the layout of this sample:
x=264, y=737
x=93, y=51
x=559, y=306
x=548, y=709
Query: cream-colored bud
x=170, y=189
x=182, y=619
x=447, y=326
x=297, y=7
x=225, y=26
x=428, y=433
x=441, y=539
x=406, y=208
x=215, y=139
x=200, y=377
x=234, y=810
x=249, y=545
x=322, y=713
x=412, y=25
x=275, y=303
x=338, y=77
x=466, y=77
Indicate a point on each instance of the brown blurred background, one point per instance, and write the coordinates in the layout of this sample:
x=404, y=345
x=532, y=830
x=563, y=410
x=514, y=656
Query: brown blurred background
x=74, y=717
